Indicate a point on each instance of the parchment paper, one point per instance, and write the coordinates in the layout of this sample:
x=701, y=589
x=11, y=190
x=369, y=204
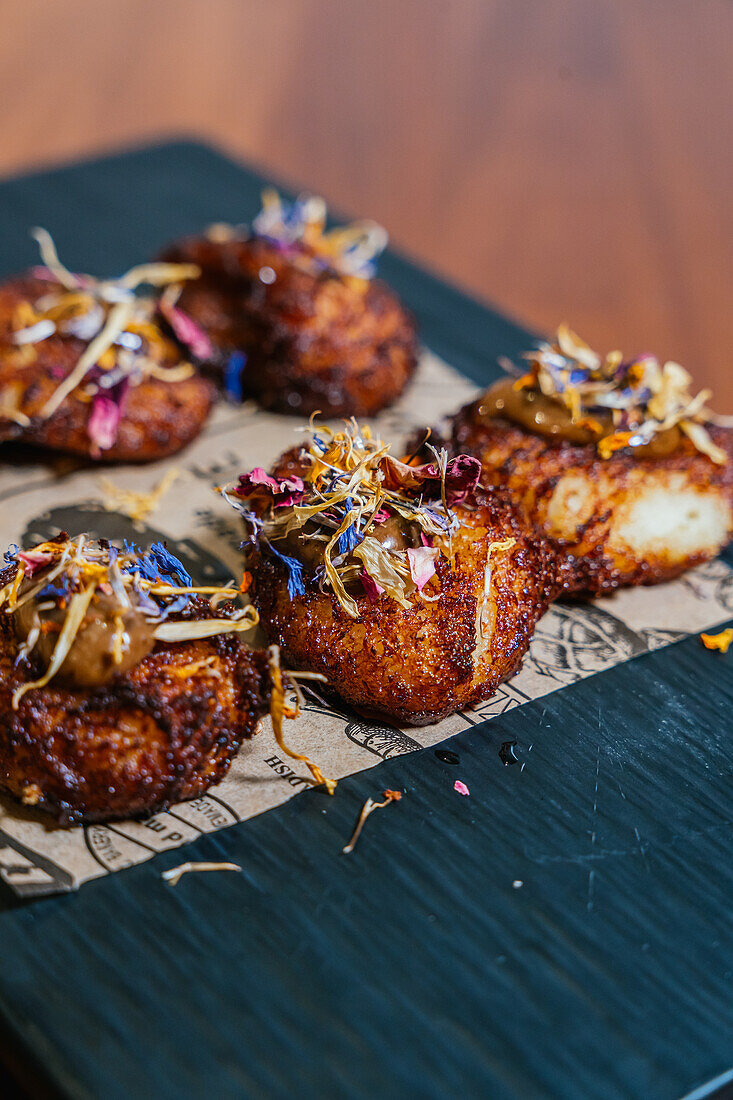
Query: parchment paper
x=571, y=641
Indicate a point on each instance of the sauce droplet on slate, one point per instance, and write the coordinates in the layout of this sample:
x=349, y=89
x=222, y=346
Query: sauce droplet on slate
x=447, y=756
x=507, y=754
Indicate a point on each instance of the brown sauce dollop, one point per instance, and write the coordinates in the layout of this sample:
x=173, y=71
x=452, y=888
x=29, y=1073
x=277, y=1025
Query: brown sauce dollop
x=90, y=661
x=305, y=544
x=663, y=444
x=548, y=417
x=395, y=534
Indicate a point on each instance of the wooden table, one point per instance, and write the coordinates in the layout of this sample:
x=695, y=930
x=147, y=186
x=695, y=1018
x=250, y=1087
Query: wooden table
x=567, y=160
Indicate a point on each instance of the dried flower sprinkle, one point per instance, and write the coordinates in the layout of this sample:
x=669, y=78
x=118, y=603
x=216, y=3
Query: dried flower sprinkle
x=118, y=321
x=720, y=641
x=175, y=874
x=137, y=505
x=351, y=486
x=643, y=396
x=368, y=808
x=68, y=573
x=281, y=708
x=298, y=230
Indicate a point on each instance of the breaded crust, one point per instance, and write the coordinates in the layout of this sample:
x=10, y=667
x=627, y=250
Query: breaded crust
x=417, y=665
x=150, y=738
x=159, y=417
x=619, y=521
x=314, y=342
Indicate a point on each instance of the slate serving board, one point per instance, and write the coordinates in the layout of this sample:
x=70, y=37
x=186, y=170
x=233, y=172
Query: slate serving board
x=419, y=966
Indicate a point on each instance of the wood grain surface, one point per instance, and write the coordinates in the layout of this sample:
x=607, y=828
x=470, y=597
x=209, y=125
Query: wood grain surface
x=565, y=159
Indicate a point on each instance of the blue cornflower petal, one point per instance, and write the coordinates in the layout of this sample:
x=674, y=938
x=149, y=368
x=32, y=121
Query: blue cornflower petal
x=351, y=537
x=578, y=375
x=145, y=565
x=11, y=553
x=145, y=602
x=233, y=371
x=348, y=539
x=178, y=604
x=296, y=587
x=51, y=591
x=172, y=565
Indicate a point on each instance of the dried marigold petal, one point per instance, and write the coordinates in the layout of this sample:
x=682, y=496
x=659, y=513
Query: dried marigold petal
x=720, y=641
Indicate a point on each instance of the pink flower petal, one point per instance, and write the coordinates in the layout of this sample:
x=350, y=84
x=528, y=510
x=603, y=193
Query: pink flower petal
x=188, y=331
x=33, y=560
x=284, y=491
x=461, y=787
x=258, y=476
x=40, y=271
x=422, y=564
x=104, y=421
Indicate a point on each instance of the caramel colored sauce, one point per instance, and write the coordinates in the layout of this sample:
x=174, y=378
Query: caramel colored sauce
x=548, y=417
x=395, y=534
x=90, y=661
x=661, y=445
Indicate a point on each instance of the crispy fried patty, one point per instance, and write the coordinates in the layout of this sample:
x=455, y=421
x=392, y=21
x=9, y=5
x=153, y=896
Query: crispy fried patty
x=314, y=342
x=159, y=417
x=620, y=521
x=417, y=665
x=152, y=737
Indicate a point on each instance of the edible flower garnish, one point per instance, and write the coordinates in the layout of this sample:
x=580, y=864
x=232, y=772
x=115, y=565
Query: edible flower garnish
x=65, y=576
x=233, y=371
x=119, y=321
x=174, y=875
x=642, y=396
x=372, y=524
x=299, y=229
x=133, y=503
x=720, y=641
x=283, y=707
x=368, y=808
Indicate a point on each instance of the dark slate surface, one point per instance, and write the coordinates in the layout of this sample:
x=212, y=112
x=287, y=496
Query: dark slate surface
x=415, y=967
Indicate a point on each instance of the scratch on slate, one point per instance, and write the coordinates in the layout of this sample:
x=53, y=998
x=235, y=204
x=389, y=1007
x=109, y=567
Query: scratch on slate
x=591, y=873
x=642, y=848
x=599, y=854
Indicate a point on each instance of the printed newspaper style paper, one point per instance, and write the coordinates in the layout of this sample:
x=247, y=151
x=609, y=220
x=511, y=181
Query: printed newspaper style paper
x=571, y=641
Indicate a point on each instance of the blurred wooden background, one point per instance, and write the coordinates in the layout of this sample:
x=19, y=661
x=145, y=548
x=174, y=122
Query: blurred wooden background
x=562, y=158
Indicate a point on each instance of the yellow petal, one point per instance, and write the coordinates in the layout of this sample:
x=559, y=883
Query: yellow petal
x=719, y=641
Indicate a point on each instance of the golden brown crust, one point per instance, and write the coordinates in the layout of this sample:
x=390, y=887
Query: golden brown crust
x=417, y=665
x=148, y=739
x=159, y=417
x=314, y=342
x=542, y=476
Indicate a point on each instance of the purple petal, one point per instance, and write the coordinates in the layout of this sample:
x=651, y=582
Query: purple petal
x=190, y=334
x=371, y=588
